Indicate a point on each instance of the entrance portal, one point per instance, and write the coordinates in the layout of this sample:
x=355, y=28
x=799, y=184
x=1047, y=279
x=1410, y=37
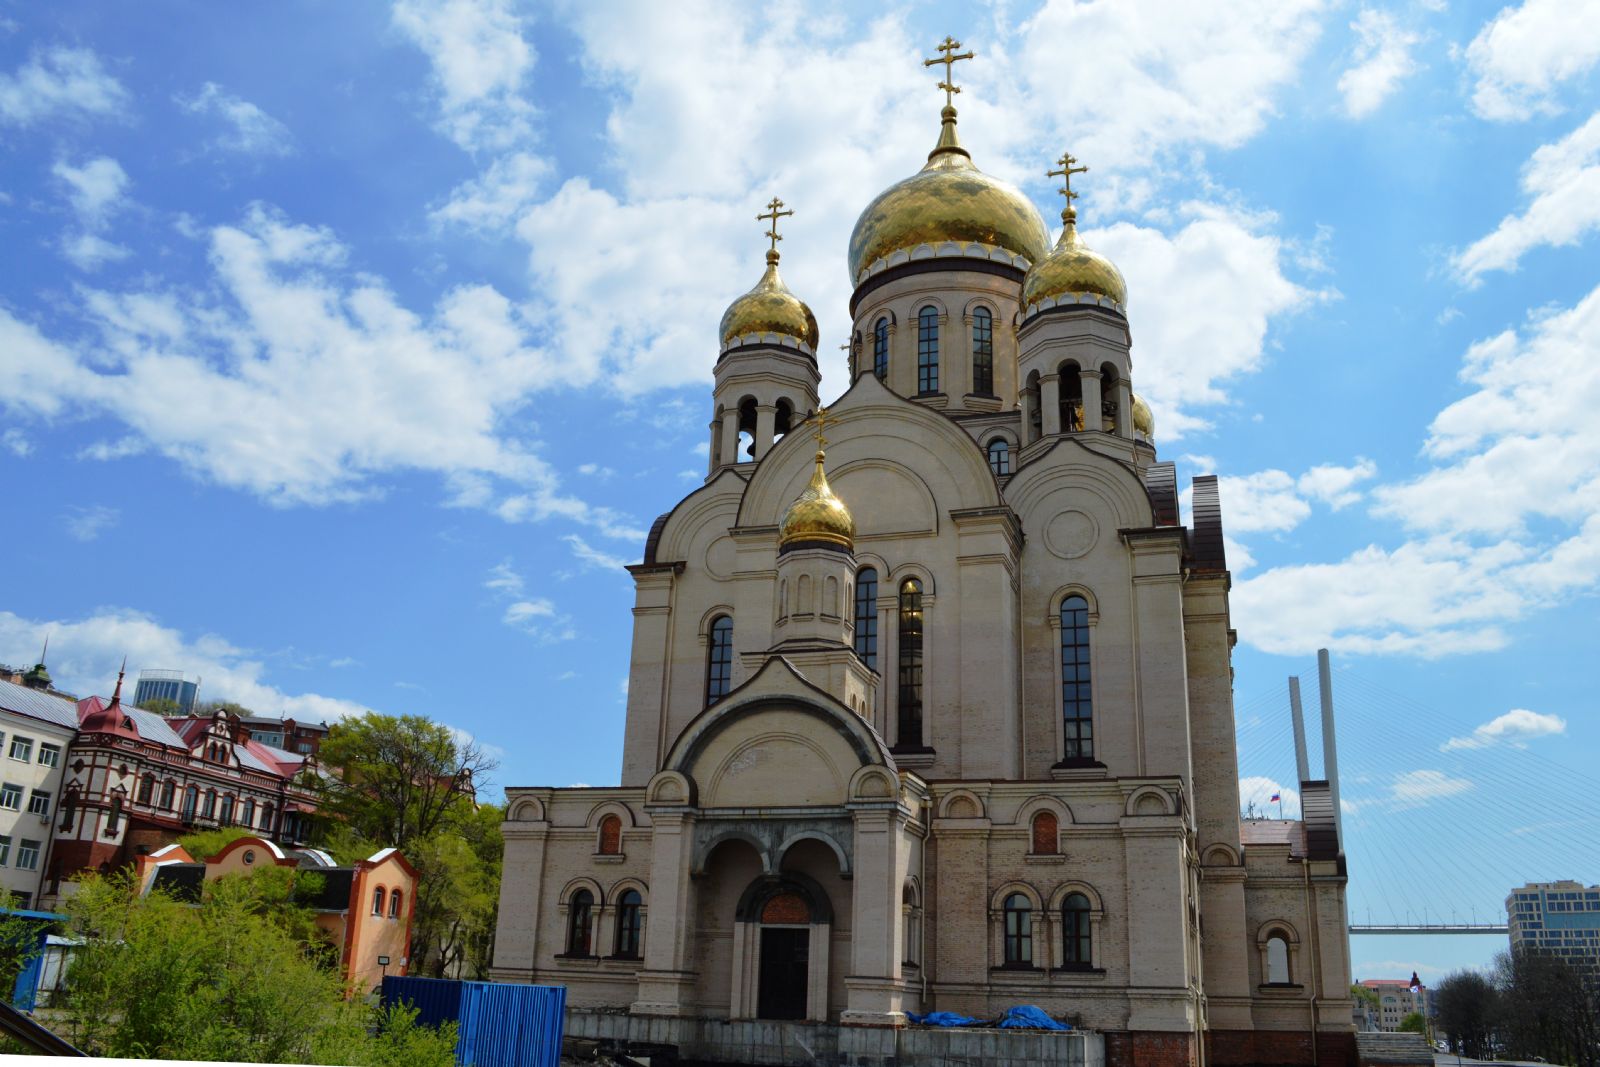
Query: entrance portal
x=785, y=967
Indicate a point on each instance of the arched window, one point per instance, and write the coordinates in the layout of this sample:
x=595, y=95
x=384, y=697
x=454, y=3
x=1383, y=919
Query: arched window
x=928, y=350
x=1070, y=384
x=867, y=616
x=378, y=897
x=191, y=800
x=1077, y=710
x=1019, y=931
x=982, y=352
x=1278, y=960
x=147, y=786
x=1000, y=456
x=266, y=817
x=908, y=691
x=114, y=819
x=394, y=904
x=629, y=924
x=880, y=349
x=719, y=660
x=1075, y=944
x=69, y=809
x=210, y=809
x=1045, y=832
x=227, y=810
x=610, y=835
x=1108, y=398
x=580, y=920
x=249, y=818
x=911, y=917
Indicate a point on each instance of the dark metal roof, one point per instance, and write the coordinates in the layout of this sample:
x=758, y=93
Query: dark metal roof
x=334, y=894
x=1161, y=484
x=38, y=705
x=1207, y=552
x=652, y=542
x=1322, y=831
x=182, y=881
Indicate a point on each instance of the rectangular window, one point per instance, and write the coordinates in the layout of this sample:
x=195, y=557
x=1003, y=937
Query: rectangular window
x=866, y=636
x=39, y=802
x=28, y=855
x=49, y=755
x=211, y=805
x=5, y=849
x=11, y=797
x=1077, y=711
x=22, y=748
x=928, y=351
x=909, y=688
x=982, y=353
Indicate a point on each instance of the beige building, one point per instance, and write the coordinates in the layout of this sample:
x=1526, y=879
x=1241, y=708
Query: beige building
x=941, y=718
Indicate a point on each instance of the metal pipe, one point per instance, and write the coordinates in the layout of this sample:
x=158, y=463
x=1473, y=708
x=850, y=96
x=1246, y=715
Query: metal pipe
x=1330, y=746
x=1301, y=763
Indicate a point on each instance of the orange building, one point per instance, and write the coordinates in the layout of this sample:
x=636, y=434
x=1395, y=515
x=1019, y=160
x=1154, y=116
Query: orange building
x=365, y=908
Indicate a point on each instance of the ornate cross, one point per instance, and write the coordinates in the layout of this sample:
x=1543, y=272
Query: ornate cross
x=823, y=422
x=1065, y=174
x=774, y=215
x=948, y=47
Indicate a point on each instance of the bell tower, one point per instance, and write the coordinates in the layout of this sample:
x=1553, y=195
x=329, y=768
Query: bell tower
x=766, y=377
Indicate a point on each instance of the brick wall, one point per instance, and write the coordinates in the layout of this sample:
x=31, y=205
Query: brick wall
x=1285, y=1048
x=1144, y=1048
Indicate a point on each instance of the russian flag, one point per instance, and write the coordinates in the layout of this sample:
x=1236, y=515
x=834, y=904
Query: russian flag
x=1274, y=798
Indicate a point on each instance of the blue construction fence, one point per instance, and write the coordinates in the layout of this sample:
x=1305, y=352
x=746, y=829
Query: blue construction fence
x=501, y=1024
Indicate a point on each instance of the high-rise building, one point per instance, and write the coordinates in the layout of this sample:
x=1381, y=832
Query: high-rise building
x=1561, y=918
x=1397, y=998
x=166, y=685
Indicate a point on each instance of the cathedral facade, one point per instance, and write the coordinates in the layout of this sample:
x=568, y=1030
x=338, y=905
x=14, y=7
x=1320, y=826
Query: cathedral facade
x=930, y=699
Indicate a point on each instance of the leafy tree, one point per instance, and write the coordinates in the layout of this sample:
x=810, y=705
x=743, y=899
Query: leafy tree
x=1550, y=1009
x=1468, y=1009
x=235, y=977
x=165, y=706
x=203, y=844
x=458, y=892
x=1361, y=994
x=1414, y=1023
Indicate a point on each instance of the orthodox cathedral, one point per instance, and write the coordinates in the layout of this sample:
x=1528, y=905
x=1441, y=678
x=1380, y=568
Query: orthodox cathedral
x=930, y=700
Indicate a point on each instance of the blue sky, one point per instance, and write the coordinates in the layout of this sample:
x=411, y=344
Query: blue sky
x=346, y=351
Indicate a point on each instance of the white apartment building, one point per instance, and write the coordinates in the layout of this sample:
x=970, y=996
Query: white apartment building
x=36, y=729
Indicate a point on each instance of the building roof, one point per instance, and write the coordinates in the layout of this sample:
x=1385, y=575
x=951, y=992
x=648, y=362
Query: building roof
x=334, y=894
x=1289, y=832
x=35, y=704
x=180, y=880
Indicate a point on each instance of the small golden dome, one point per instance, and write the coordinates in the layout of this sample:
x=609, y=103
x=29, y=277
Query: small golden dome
x=1073, y=268
x=818, y=515
x=949, y=199
x=770, y=308
x=1144, y=420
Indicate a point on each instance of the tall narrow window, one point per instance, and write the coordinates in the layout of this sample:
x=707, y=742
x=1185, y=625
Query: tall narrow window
x=982, y=352
x=147, y=785
x=580, y=921
x=169, y=789
x=69, y=811
x=610, y=836
x=1075, y=946
x=1019, y=931
x=394, y=903
x=928, y=350
x=880, y=349
x=1277, y=960
x=191, y=800
x=114, y=818
x=1046, y=829
x=629, y=924
x=1000, y=456
x=909, y=689
x=1077, y=710
x=378, y=897
x=867, y=616
x=719, y=661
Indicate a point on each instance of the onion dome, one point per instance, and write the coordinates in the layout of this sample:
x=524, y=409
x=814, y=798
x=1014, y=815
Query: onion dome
x=1072, y=269
x=818, y=515
x=1144, y=420
x=37, y=676
x=948, y=200
x=770, y=308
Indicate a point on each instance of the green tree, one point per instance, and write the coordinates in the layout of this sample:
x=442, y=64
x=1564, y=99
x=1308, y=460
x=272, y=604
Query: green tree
x=163, y=706
x=1551, y=1009
x=1414, y=1023
x=235, y=977
x=203, y=844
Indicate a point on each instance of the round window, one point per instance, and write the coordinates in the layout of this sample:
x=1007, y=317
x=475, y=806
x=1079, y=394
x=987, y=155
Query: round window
x=249, y=855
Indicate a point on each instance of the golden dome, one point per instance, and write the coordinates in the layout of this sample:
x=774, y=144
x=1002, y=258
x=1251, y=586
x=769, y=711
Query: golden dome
x=770, y=308
x=1144, y=420
x=818, y=515
x=1072, y=268
x=949, y=199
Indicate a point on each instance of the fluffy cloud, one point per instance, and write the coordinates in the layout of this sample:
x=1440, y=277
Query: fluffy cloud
x=84, y=654
x=1514, y=728
x=1415, y=788
x=1563, y=181
x=96, y=189
x=1335, y=485
x=1525, y=53
x=1259, y=791
x=249, y=129
x=59, y=82
x=534, y=615
x=1382, y=60
x=88, y=523
x=298, y=380
x=494, y=198
x=480, y=65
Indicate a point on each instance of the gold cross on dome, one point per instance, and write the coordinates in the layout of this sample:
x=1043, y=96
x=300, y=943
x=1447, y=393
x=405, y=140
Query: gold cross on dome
x=774, y=215
x=1065, y=174
x=823, y=422
x=948, y=46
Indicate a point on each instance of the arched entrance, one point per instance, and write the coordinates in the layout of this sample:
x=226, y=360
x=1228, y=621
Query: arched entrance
x=782, y=928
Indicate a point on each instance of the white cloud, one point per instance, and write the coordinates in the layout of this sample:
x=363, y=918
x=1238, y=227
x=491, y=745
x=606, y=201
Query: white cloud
x=1382, y=60
x=1418, y=787
x=250, y=130
x=16, y=442
x=1259, y=791
x=494, y=198
x=534, y=615
x=1514, y=728
x=97, y=188
x=84, y=654
x=503, y=579
x=59, y=82
x=121, y=448
x=1335, y=485
x=592, y=557
x=90, y=252
x=480, y=64
x=1525, y=53
x=88, y=523
x=1563, y=180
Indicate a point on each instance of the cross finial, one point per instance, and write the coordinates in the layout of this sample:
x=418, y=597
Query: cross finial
x=1065, y=174
x=948, y=46
x=823, y=422
x=773, y=214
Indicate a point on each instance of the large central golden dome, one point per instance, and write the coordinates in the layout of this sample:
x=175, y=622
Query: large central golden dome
x=949, y=199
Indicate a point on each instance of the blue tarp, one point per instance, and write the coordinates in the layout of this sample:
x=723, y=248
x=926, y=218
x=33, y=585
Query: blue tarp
x=1023, y=1017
